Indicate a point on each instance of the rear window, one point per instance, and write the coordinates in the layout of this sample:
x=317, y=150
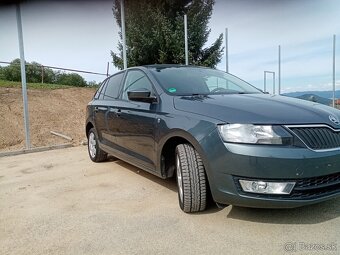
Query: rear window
x=113, y=86
x=100, y=90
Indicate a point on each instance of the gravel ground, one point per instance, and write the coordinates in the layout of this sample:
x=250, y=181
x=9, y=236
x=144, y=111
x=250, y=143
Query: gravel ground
x=59, y=202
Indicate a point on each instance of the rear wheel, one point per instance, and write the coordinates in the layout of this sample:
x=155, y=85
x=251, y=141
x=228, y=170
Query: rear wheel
x=191, y=179
x=95, y=153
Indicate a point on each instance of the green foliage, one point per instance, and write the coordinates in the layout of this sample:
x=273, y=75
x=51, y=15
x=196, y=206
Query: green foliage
x=93, y=84
x=12, y=72
x=71, y=79
x=17, y=84
x=155, y=33
x=2, y=77
x=35, y=72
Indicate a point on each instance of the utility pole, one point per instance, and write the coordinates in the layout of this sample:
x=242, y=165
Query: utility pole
x=122, y=16
x=23, y=77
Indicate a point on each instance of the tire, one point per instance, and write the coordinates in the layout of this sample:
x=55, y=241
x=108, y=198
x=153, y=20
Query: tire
x=191, y=179
x=95, y=153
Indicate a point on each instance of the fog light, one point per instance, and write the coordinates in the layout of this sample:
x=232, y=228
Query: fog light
x=264, y=187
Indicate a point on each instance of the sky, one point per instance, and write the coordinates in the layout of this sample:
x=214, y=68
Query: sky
x=81, y=34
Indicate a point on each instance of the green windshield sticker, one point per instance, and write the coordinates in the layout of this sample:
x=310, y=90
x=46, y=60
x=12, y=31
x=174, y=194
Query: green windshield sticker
x=172, y=90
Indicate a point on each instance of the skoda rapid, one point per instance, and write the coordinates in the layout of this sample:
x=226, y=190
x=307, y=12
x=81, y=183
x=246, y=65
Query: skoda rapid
x=219, y=136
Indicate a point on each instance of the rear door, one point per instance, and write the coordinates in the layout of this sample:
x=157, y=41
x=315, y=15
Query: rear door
x=99, y=111
x=110, y=97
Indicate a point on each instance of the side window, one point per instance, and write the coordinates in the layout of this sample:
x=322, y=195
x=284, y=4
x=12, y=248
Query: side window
x=101, y=95
x=99, y=90
x=136, y=80
x=113, y=86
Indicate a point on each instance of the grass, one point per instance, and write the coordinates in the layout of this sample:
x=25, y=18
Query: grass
x=17, y=84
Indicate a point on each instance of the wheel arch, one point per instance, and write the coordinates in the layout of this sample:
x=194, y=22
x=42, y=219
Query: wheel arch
x=89, y=125
x=167, y=146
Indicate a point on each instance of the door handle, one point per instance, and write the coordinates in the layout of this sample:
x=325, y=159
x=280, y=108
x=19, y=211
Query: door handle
x=116, y=112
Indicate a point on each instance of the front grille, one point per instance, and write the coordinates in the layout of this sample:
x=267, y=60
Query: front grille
x=316, y=186
x=305, y=188
x=318, y=138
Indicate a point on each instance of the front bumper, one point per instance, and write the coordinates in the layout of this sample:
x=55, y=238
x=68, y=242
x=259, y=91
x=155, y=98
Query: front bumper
x=317, y=174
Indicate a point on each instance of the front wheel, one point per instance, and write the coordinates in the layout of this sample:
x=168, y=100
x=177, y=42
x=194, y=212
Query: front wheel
x=95, y=153
x=191, y=179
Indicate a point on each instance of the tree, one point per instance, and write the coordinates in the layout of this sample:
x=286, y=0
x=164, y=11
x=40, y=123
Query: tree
x=34, y=74
x=93, y=84
x=12, y=71
x=71, y=79
x=2, y=77
x=155, y=34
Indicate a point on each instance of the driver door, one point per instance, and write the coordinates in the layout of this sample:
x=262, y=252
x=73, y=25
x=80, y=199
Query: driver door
x=136, y=121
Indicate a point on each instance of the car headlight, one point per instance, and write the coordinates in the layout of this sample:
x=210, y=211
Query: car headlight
x=255, y=134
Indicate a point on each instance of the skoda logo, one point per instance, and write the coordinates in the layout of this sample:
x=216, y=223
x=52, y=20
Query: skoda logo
x=334, y=119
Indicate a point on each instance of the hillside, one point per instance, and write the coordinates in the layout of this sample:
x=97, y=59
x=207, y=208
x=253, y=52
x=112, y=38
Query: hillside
x=324, y=94
x=59, y=110
x=316, y=98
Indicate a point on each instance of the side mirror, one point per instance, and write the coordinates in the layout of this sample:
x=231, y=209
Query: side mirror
x=141, y=96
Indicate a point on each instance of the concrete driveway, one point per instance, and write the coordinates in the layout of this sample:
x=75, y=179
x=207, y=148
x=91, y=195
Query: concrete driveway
x=59, y=202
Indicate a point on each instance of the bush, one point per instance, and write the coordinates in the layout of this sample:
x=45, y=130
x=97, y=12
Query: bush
x=71, y=79
x=12, y=72
x=2, y=77
x=93, y=84
x=34, y=74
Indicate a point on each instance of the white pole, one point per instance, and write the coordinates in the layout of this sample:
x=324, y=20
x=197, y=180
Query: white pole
x=273, y=83
x=226, y=51
x=186, y=39
x=334, y=39
x=23, y=77
x=279, y=69
x=122, y=16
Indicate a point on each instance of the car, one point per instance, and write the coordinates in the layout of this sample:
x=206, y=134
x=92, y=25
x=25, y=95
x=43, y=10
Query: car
x=220, y=137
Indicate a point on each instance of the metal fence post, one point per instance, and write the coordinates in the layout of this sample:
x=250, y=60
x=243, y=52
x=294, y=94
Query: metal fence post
x=226, y=51
x=265, y=80
x=23, y=77
x=186, y=39
x=122, y=15
x=42, y=74
x=279, y=74
x=107, y=69
x=334, y=40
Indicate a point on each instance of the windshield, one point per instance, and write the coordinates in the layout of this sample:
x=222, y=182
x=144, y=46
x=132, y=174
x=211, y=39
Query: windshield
x=200, y=81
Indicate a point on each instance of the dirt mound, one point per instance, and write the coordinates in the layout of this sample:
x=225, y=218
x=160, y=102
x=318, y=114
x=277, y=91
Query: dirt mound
x=60, y=110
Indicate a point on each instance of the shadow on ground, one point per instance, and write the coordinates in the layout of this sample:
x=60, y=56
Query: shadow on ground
x=312, y=214
x=167, y=183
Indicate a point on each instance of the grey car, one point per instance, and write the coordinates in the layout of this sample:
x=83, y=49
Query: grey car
x=222, y=138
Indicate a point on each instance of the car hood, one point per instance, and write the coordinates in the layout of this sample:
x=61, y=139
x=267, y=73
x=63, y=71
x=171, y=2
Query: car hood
x=257, y=109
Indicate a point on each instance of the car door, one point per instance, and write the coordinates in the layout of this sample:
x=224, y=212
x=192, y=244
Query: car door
x=99, y=112
x=110, y=97
x=136, y=121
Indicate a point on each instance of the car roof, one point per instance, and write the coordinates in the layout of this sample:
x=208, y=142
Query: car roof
x=169, y=65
